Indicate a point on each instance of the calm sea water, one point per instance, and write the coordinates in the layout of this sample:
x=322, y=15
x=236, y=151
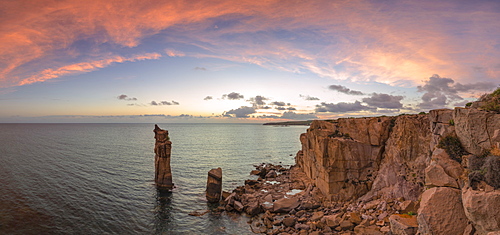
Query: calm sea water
x=98, y=178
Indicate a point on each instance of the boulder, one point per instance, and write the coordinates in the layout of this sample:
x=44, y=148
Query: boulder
x=408, y=207
x=332, y=220
x=253, y=208
x=402, y=224
x=441, y=212
x=285, y=204
x=478, y=131
x=481, y=208
x=289, y=221
x=316, y=216
x=436, y=177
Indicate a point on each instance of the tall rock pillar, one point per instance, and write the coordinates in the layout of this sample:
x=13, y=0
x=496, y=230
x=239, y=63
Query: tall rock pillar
x=163, y=147
x=214, y=185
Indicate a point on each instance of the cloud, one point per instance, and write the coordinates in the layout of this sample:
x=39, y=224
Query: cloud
x=307, y=97
x=440, y=92
x=154, y=103
x=208, y=98
x=384, y=101
x=174, y=53
x=280, y=108
x=125, y=97
x=241, y=112
x=84, y=67
x=200, y=68
x=345, y=90
x=278, y=103
x=292, y=116
x=371, y=41
x=258, y=101
x=233, y=96
x=342, y=107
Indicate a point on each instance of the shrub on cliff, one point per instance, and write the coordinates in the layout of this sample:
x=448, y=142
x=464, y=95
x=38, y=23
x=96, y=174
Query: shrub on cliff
x=485, y=168
x=491, y=102
x=453, y=147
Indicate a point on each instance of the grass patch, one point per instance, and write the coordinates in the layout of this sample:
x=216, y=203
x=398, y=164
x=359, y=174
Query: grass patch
x=491, y=102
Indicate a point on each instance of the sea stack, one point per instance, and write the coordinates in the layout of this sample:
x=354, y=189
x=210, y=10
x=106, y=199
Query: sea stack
x=163, y=147
x=214, y=185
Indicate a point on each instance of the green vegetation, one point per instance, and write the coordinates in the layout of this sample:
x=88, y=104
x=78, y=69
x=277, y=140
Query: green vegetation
x=337, y=133
x=491, y=102
x=452, y=146
x=468, y=104
x=451, y=122
x=421, y=113
x=411, y=213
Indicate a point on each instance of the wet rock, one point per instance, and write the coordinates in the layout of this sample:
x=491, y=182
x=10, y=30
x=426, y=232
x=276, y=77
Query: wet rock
x=403, y=224
x=163, y=148
x=198, y=212
x=271, y=174
x=214, y=185
x=253, y=208
x=441, y=212
x=238, y=206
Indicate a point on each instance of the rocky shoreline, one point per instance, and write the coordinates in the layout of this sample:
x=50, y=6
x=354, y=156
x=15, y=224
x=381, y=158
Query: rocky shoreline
x=285, y=201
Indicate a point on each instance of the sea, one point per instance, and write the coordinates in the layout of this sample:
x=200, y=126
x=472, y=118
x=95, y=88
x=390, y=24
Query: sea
x=99, y=178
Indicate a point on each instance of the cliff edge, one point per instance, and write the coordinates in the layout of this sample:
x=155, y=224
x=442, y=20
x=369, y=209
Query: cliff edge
x=445, y=163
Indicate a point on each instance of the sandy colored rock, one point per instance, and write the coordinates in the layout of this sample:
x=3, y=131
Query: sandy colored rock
x=441, y=212
x=436, y=177
x=478, y=130
x=482, y=209
x=402, y=224
x=408, y=206
x=285, y=204
x=163, y=148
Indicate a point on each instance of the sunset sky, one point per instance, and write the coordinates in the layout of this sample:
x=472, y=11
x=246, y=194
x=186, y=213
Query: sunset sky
x=242, y=61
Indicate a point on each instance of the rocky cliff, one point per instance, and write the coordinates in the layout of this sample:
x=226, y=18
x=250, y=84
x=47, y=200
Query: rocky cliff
x=446, y=163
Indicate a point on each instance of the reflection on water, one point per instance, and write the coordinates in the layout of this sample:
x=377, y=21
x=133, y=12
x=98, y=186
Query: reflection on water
x=163, y=217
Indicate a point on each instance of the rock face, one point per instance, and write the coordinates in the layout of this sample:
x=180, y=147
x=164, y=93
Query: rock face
x=163, y=148
x=214, y=185
x=441, y=212
x=482, y=207
x=449, y=160
x=349, y=158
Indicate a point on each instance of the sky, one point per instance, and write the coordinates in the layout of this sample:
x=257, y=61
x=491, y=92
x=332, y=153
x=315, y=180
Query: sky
x=213, y=61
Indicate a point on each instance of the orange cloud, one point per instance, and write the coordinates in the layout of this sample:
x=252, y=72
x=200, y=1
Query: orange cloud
x=84, y=67
x=356, y=40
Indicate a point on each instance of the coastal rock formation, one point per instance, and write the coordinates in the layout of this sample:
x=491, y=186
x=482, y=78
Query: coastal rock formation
x=163, y=148
x=214, y=185
x=448, y=160
x=436, y=173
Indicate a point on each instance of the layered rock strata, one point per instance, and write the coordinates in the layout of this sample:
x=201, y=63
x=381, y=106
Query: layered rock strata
x=447, y=161
x=163, y=148
x=214, y=185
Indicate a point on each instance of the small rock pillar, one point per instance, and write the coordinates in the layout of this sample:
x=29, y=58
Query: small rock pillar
x=163, y=147
x=214, y=185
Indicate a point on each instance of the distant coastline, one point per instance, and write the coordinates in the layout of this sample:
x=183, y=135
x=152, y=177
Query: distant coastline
x=290, y=123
